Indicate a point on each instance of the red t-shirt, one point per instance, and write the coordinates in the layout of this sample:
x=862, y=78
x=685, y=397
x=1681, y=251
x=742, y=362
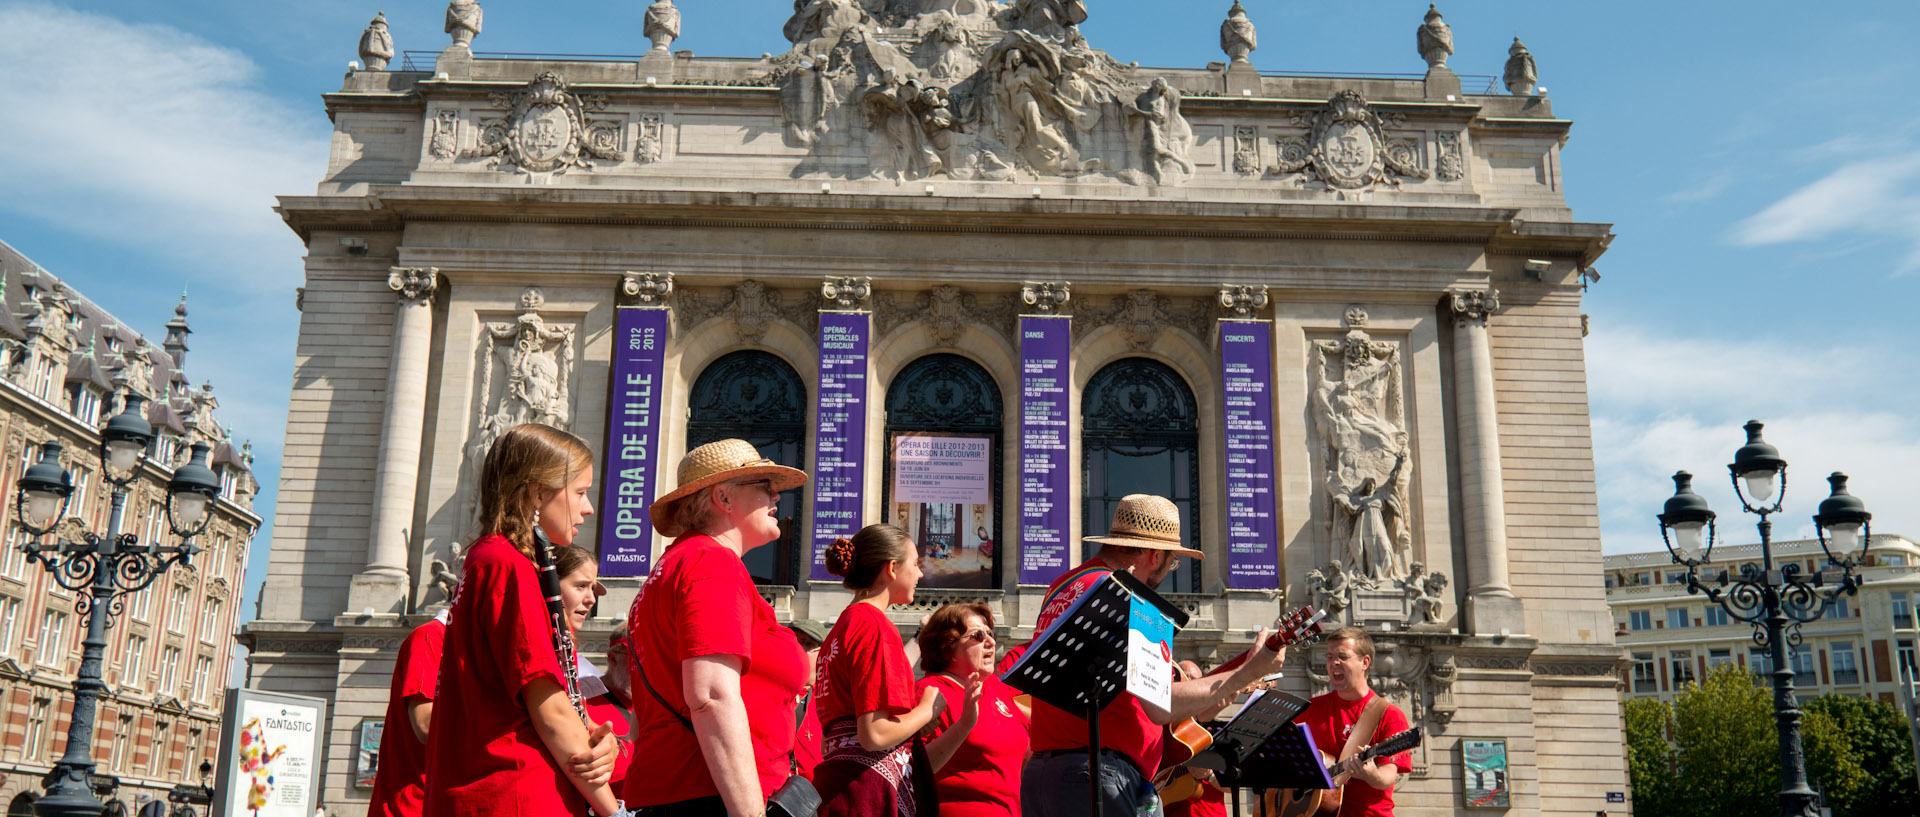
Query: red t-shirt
x=1331, y=720
x=604, y=709
x=400, y=785
x=1212, y=802
x=1124, y=725
x=863, y=668
x=982, y=779
x=483, y=756
x=700, y=601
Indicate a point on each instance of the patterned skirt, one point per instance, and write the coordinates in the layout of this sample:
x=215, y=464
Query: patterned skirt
x=854, y=782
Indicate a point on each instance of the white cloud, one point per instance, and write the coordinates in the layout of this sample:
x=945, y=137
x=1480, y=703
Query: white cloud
x=1867, y=199
x=1664, y=404
x=148, y=135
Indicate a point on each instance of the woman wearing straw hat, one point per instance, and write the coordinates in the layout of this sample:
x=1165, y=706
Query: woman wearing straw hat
x=1143, y=540
x=715, y=725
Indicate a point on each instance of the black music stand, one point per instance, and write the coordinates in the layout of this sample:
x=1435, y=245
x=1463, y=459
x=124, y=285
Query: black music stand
x=1264, y=723
x=1080, y=663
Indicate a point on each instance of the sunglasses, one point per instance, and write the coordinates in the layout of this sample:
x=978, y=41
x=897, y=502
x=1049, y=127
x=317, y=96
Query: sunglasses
x=977, y=636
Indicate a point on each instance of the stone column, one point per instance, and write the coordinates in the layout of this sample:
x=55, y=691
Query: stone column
x=383, y=586
x=1491, y=605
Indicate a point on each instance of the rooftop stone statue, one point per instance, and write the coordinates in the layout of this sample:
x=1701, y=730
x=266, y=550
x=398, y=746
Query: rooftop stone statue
x=1521, y=74
x=1237, y=36
x=376, y=44
x=1436, y=39
x=662, y=25
x=463, y=21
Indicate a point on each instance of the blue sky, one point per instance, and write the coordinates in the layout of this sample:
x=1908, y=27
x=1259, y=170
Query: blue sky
x=1758, y=161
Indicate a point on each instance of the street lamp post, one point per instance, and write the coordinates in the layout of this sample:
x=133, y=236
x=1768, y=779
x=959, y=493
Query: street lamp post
x=102, y=570
x=1775, y=600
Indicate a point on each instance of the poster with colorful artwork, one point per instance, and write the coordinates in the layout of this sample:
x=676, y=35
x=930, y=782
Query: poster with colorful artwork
x=270, y=746
x=1483, y=772
x=942, y=496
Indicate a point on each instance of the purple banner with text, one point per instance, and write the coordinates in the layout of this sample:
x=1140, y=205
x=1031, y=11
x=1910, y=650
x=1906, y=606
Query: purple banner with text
x=839, y=459
x=1246, y=357
x=633, y=440
x=1045, y=495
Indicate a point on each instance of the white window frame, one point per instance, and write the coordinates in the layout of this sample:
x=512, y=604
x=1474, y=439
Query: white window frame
x=177, y=611
x=14, y=564
x=38, y=714
x=1646, y=674
x=169, y=671
x=9, y=625
x=52, y=650
x=1715, y=611
x=1838, y=650
x=132, y=667
x=210, y=619
x=202, y=668
x=85, y=405
x=1679, y=618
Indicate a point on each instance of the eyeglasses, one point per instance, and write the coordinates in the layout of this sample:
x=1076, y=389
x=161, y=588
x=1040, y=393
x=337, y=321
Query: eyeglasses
x=977, y=636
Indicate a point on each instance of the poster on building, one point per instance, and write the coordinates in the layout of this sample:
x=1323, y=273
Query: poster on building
x=840, y=451
x=1483, y=771
x=1253, y=550
x=1045, y=493
x=366, y=757
x=942, y=496
x=270, y=745
x=633, y=440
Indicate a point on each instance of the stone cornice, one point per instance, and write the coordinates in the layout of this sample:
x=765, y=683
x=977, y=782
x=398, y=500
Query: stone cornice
x=390, y=207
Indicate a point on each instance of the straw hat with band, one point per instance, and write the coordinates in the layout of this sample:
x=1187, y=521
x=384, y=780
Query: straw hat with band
x=714, y=463
x=1148, y=522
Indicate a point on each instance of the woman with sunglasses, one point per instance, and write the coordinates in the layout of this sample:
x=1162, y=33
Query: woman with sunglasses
x=716, y=676
x=979, y=741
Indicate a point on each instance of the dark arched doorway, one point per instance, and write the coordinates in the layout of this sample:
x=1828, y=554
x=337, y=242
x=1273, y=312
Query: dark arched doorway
x=1140, y=434
x=942, y=481
x=755, y=396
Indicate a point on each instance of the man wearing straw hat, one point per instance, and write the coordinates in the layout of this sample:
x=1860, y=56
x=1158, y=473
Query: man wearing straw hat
x=1144, y=540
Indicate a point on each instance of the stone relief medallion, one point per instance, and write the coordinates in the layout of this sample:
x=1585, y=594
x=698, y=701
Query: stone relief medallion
x=547, y=130
x=1346, y=148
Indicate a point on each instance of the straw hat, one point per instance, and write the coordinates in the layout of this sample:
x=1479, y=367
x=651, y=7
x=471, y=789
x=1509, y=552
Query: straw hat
x=1146, y=521
x=714, y=463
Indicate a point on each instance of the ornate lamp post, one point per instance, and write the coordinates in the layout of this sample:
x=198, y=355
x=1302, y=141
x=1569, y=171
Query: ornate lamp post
x=1775, y=600
x=101, y=570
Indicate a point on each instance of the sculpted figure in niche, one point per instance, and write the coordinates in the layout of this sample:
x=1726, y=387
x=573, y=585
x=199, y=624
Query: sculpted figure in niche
x=526, y=377
x=463, y=21
x=1166, y=138
x=1031, y=116
x=1363, y=443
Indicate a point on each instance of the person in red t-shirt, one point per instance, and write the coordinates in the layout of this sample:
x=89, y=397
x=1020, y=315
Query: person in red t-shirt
x=979, y=742
x=400, y=784
x=1332, y=716
x=1143, y=540
x=580, y=590
x=503, y=721
x=863, y=687
x=806, y=741
x=716, y=676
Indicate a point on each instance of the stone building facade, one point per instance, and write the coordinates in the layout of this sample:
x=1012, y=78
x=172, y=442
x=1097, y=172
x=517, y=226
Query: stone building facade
x=65, y=364
x=1336, y=319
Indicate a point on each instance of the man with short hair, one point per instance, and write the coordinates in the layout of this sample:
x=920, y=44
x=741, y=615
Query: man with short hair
x=1333, y=716
x=1144, y=540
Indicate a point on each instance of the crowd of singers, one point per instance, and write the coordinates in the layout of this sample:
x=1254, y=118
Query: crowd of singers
x=710, y=704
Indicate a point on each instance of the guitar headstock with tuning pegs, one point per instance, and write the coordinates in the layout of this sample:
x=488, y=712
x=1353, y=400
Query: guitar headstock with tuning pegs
x=1303, y=624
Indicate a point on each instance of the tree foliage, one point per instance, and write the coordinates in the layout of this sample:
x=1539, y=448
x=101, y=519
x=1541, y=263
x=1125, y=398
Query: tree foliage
x=1714, y=752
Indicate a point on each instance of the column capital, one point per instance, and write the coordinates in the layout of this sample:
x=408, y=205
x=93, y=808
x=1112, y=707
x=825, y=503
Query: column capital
x=414, y=284
x=1243, y=301
x=846, y=293
x=1046, y=297
x=649, y=288
x=1473, y=305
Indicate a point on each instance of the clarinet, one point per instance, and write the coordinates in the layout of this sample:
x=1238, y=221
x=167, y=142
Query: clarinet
x=557, y=616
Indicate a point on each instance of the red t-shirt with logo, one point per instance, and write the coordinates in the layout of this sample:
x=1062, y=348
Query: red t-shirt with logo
x=1124, y=725
x=400, y=784
x=484, y=758
x=701, y=601
x=1331, y=719
x=863, y=668
x=982, y=779
x=604, y=709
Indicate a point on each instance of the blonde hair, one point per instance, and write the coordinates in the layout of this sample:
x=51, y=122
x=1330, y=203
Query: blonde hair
x=529, y=455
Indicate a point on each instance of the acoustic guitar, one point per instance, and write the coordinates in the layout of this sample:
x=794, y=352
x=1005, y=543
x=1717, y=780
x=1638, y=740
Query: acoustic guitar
x=1188, y=738
x=1311, y=802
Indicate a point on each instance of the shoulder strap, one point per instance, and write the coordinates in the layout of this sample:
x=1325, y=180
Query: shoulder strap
x=1070, y=579
x=1363, y=729
x=642, y=667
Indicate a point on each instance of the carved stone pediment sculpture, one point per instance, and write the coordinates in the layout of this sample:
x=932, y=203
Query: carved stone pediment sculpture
x=526, y=376
x=546, y=130
x=1365, y=459
x=1346, y=148
x=972, y=90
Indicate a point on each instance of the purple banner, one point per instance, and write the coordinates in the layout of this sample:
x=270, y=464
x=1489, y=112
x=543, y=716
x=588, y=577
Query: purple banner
x=633, y=441
x=1253, y=551
x=1045, y=496
x=839, y=458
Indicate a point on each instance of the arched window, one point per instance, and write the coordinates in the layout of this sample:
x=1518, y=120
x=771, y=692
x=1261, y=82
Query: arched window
x=943, y=468
x=1140, y=434
x=757, y=397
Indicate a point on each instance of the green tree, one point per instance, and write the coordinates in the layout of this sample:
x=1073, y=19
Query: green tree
x=1833, y=762
x=1650, y=758
x=1880, y=747
x=1727, y=749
